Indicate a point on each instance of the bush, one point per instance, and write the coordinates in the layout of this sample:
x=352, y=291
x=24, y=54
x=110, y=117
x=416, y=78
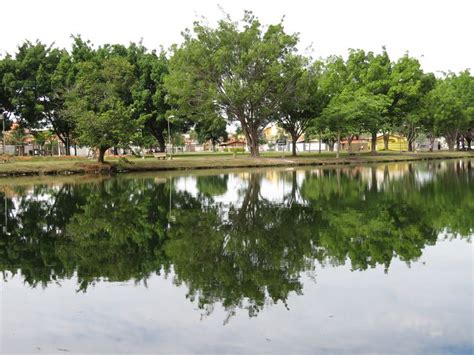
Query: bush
x=235, y=150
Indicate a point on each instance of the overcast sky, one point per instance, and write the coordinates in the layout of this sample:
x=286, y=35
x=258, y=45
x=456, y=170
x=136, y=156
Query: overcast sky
x=439, y=33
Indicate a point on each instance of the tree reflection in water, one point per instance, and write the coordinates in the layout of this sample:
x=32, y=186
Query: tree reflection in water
x=227, y=241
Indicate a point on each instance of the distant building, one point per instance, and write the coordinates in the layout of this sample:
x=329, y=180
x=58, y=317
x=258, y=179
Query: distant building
x=272, y=132
x=232, y=144
x=395, y=143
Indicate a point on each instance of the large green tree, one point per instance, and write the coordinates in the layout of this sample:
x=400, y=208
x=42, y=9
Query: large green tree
x=450, y=108
x=464, y=84
x=231, y=71
x=7, y=76
x=408, y=86
x=101, y=103
x=39, y=78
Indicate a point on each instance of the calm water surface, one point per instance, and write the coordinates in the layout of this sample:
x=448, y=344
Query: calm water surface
x=370, y=260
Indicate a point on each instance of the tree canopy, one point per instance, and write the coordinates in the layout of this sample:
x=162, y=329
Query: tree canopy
x=232, y=71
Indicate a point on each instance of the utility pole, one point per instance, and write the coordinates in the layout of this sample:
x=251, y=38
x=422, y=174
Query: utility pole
x=320, y=137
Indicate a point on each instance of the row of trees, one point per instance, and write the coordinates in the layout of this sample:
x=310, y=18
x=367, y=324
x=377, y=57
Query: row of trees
x=106, y=97
x=236, y=72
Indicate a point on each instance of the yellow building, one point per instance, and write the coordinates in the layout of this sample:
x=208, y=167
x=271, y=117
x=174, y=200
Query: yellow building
x=273, y=132
x=395, y=143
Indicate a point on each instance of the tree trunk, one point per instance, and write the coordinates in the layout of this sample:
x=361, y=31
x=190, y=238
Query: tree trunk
x=373, y=144
x=293, y=148
x=64, y=139
x=252, y=138
x=432, y=141
x=102, y=151
x=320, y=143
x=331, y=145
x=385, y=141
x=254, y=152
x=450, y=140
x=161, y=141
x=468, y=141
x=294, y=138
x=411, y=137
x=67, y=146
x=338, y=143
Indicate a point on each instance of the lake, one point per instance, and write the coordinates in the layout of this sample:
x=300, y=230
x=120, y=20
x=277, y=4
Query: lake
x=373, y=259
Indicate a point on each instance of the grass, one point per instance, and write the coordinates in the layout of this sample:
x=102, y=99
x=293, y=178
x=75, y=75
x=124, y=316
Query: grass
x=76, y=165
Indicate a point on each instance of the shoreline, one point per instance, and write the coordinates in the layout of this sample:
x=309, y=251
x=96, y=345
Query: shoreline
x=78, y=166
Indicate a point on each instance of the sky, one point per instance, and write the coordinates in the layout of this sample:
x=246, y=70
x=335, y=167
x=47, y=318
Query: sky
x=439, y=33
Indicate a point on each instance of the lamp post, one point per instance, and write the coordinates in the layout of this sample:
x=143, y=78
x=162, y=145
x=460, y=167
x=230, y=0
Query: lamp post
x=169, y=137
x=3, y=133
x=320, y=137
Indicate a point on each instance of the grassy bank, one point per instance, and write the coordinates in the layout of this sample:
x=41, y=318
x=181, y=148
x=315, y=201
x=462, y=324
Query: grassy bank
x=74, y=165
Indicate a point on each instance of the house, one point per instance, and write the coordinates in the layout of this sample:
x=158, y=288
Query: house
x=233, y=144
x=272, y=132
x=21, y=141
x=395, y=143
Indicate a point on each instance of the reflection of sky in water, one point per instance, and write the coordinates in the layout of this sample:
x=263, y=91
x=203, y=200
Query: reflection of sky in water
x=277, y=183
x=272, y=188
x=421, y=309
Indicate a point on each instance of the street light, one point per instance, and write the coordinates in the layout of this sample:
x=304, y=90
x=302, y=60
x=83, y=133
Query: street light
x=169, y=136
x=3, y=132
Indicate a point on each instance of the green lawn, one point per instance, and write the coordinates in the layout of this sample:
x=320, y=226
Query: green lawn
x=74, y=165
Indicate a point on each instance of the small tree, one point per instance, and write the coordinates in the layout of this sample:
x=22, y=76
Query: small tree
x=338, y=117
x=150, y=108
x=43, y=137
x=302, y=97
x=353, y=111
x=211, y=129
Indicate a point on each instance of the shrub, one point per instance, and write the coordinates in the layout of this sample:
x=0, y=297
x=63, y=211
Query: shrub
x=235, y=150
